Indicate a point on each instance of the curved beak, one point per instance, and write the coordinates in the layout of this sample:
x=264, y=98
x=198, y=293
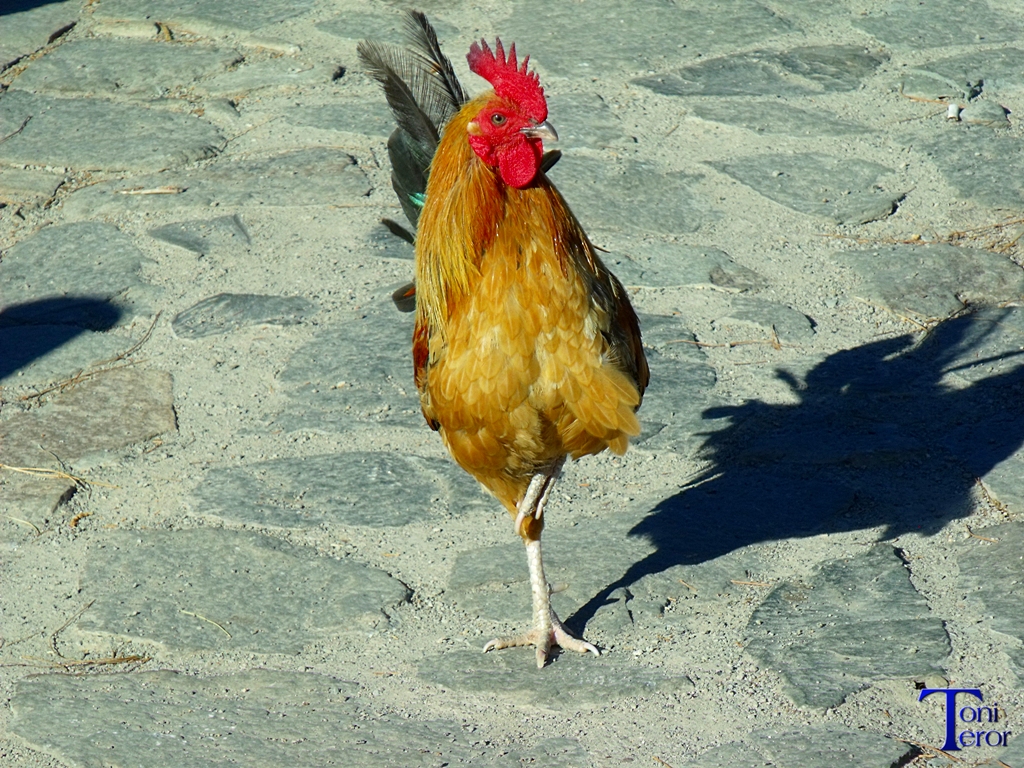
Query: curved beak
x=545, y=131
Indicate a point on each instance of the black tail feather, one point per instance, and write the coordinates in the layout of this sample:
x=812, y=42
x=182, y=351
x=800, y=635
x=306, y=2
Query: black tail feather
x=424, y=93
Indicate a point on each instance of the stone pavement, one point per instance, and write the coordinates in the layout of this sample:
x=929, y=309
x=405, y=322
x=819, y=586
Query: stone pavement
x=227, y=537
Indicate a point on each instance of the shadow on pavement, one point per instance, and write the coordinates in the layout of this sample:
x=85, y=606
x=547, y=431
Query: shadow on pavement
x=32, y=329
x=10, y=7
x=880, y=437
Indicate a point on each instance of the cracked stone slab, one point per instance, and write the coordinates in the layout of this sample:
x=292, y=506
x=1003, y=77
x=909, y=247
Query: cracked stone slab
x=29, y=28
x=257, y=717
x=844, y=190
x=661, y=265
x=117, y=68
x=333, y=383
x=934, y=280
x=227, y=312
x=213, y=17
x=808, y=747
x=995, y=73
x=181, y=589
x=767, y=117
x=91, y=134
x=855, y=622
x=205, y=235
x=368, y=488
x=605, y=195
x=983, y=166
x=790, y=325
x=795, y=72
x=940, y=24
x=584, y=40
x=572, y=681
x=84, y=274
x=315, y=176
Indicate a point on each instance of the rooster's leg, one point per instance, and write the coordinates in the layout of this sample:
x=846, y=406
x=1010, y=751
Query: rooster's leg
x=548, y=630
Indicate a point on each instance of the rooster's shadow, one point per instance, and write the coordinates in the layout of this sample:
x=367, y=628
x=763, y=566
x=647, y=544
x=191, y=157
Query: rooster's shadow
x=882, y=437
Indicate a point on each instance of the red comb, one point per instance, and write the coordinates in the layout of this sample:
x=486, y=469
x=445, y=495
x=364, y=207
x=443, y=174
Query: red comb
x=510, y=80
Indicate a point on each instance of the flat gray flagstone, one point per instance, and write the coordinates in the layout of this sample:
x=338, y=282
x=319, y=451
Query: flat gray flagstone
x=790, y=325
x=314, y=176
x=1014, y=751
x=204, y=236
x=28, y=26
x=985, y=112
x=797, y=71
x=105, y=413
x=84, y=274
x=584, y=119
x=940, y=23
x=19, y=186
x=607, y=195
x=384, y=244
x=626, y=575
x=376, y=489
x=359, y=372
x=261, y=718
x=388, y=27
x=205, y=15
x=989, y=581
x=680, y=390
x=654, y=264
x=282, y=74
x=807, y=747
x=855, y=622
x=994, y=73
x=933, y=280
x=983, y=166
x=35, y=356
x=227, y=312
x=493, y=582
x=216, y=589
x=91, y=134
x=844, y=190
x=31, y=503
x=365, y=117
x=573, y=681
x=584, y=40
x=770, y=117
x=982, y=355
x=118, y=68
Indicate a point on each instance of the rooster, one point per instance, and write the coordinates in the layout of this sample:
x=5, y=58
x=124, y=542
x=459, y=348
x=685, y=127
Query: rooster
x=526, y=349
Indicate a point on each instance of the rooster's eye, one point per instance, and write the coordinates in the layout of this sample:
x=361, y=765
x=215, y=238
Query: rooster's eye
x=497, y=118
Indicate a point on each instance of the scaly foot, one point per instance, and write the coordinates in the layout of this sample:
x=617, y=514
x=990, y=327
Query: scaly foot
x=544, y=638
